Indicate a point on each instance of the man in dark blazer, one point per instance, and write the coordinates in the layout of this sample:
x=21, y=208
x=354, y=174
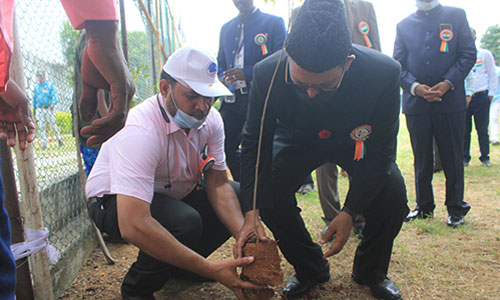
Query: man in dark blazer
x=436, y=52
x=245, y=40
x=333, y=102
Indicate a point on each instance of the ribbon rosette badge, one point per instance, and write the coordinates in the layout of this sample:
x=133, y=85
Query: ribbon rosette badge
x=360, y=134
x=261, y=40
x=446, y=35
x=364, y=28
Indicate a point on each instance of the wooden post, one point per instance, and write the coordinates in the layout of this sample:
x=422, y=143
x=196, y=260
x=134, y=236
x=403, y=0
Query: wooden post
x=24, y=288
x=32, y=211
x=153, y=61
x=159, y=42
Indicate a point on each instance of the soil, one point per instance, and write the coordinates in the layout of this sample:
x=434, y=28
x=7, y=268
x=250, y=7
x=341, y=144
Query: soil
x=265, y=270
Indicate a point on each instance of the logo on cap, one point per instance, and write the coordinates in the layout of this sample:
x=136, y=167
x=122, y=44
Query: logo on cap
x=212, y=69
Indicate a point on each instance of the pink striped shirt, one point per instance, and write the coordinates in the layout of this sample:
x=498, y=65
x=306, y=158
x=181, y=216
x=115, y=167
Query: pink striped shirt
x=134, y=161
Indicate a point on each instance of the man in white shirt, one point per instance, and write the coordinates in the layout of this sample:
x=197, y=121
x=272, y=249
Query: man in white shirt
x=151, y=189
x=480, y=87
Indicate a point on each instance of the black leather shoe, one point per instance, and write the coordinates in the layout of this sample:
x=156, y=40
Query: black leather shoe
x=127, y=296
x=385, y=290
x=295, y=289
x=419, y=214
x=455, y=221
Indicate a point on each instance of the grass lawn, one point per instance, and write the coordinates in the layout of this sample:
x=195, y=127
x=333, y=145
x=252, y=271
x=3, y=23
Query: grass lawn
x=429, y=261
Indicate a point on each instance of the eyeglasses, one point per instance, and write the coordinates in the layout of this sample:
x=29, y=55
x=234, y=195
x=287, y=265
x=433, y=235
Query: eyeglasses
x=320, y=87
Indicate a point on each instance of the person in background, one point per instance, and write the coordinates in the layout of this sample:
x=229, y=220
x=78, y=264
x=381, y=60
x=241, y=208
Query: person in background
x=480, y=86
x=44, y=102
x=435, y=48
x=244, y=41
x=494, y=112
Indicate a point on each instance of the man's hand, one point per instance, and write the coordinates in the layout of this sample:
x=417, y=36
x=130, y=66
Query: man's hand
x=468, y=99
x=247, y=231
x=104, y=67
x=225, y=272
x=442, y=88
x=491, y=98
x=427, y=93
x=15, y=115
x=232, y=75
x=340, y=227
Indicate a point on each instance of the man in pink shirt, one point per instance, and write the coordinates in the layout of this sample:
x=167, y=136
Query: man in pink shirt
x=148, y=186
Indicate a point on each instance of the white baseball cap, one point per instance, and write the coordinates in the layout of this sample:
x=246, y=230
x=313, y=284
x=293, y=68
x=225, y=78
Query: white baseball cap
x=196, y=69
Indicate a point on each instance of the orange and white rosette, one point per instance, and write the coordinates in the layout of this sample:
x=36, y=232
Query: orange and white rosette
x=364, y=28
x=360, y=134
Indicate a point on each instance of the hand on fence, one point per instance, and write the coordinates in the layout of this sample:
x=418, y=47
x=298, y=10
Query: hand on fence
x=15, y=115
x=104, y=67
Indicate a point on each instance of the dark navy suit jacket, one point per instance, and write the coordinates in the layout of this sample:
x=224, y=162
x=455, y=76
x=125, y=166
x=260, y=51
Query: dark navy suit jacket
x=257, y=22
x=417, y=48
x=301, y=135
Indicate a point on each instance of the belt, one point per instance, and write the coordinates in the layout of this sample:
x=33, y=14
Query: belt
x=480, y=93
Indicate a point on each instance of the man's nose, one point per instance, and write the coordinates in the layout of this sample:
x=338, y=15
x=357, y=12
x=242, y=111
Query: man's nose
x=312, y=93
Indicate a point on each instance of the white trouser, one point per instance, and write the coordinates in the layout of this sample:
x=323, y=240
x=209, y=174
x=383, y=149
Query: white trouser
x=494, y=111
x=46, y=116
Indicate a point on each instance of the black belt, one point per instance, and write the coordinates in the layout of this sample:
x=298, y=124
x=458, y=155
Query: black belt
x=480, y=93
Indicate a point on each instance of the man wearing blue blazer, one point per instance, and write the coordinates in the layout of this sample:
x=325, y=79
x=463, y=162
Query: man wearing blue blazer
x=244, y=41
x=436, y=52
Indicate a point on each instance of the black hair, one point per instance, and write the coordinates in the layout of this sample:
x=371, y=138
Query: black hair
x=320, y=39
x=167, y=77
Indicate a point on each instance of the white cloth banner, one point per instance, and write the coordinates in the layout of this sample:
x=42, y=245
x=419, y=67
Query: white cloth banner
x=36, y=240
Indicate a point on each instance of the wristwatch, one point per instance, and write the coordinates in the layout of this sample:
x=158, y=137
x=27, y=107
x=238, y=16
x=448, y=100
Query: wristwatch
x=353, y=215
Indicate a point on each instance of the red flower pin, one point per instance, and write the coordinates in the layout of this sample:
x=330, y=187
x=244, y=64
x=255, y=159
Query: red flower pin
x=324, y=134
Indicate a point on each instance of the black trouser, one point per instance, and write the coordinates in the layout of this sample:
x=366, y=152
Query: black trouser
x=448, y=131
x=234, y=115
x=384, y=218
x=479, y=107
x=191, y=221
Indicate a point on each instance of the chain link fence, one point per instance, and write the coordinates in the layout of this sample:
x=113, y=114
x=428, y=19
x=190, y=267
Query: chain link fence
x=48, y=46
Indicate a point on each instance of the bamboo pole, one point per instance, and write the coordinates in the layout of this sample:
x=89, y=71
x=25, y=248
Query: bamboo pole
x=32, y=211
x=24, y=288
x=159, y=42
x=82, y=176
x=153, y=63
x=153, y=28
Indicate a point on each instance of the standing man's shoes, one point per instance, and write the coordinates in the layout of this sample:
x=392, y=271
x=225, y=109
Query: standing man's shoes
x=385, y=289
x=455, y=221
x=295, y=289
x=486, y=163
x=419, y=214
x=495, y=143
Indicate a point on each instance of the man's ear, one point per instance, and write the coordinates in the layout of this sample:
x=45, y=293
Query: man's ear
x=164, y=87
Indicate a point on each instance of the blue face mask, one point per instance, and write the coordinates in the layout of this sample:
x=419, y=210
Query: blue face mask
x=427, y=6
x=184, y=120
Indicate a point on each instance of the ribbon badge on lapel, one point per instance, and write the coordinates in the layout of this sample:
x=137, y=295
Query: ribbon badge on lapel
x=364, y=28
x=360, y=134
x=446, y=35
x=261, y=40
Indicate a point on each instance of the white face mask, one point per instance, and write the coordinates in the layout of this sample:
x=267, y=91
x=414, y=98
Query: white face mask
x=427, y=6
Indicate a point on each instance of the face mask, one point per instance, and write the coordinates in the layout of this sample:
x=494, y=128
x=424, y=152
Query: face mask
x=427, y=6
x=184, y=120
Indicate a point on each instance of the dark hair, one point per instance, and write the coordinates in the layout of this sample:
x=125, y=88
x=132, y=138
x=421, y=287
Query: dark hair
x=167, y=77
x=320, y=39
